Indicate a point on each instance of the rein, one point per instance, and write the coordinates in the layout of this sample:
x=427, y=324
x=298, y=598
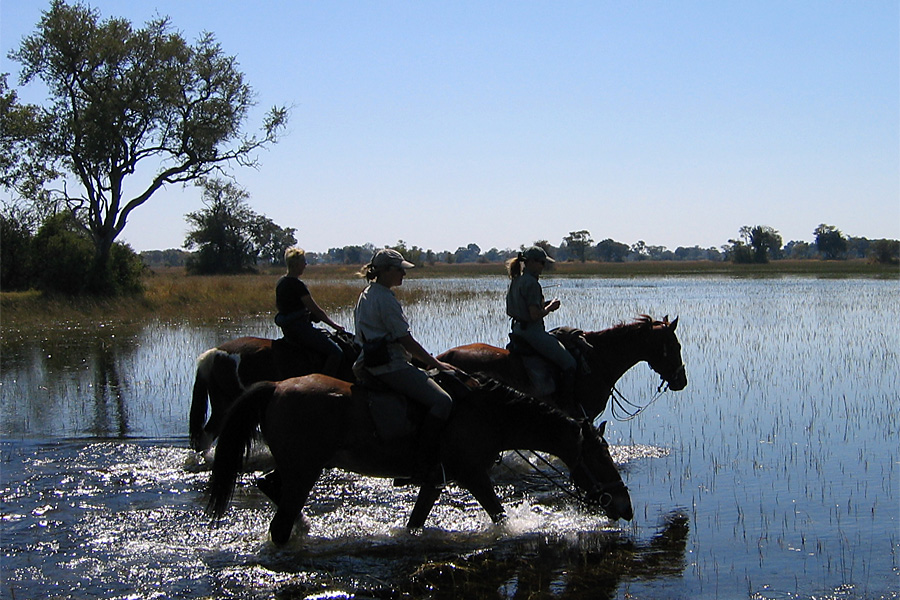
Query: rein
x=603, y=489
x=619, y=401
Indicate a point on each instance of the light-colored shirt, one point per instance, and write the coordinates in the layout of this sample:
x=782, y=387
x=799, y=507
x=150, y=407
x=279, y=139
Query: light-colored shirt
x=524, y=291
x=378, y=315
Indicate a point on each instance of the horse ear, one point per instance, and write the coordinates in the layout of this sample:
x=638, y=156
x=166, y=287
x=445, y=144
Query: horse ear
x=602, y=428
x=674, y=324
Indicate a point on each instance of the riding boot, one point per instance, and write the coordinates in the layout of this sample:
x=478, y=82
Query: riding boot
x=427, y=468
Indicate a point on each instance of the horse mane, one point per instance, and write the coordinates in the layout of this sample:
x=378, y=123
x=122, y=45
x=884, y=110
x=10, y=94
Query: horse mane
x=641, y=321
x=508, y=398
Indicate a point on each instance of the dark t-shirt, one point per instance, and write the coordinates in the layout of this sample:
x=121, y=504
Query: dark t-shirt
x=289, y=294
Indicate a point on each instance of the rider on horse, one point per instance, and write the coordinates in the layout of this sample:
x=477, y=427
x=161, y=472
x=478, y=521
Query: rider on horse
x=527, y=308
x=297, y=311
x=388, y=346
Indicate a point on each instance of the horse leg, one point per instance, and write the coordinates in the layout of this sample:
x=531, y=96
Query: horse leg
x=295, y=492
x=482, y=489
x=428, y=495
x=270, y=485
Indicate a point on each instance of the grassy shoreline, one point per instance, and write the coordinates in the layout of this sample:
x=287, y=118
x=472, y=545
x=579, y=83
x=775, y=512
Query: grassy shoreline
x=172, y=295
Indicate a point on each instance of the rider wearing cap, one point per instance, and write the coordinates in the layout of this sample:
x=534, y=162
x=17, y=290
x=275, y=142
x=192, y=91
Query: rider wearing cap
x=388, y=347
x=527, y=308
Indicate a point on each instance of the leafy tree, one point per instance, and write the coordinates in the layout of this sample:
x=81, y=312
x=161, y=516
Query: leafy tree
x=122, y=99
x=22, y=170
x=65, y=250
x=578, y=241
x=830, y=242
x=15, y=253
x=738, y=252
x=610, y=250
x=270, y=240
x=697, y=253
x=468, y=254
x=223, y=231
x=173, y=257
x=798, y=249
x=639, y=250
x=764, y=242
x=886, y=251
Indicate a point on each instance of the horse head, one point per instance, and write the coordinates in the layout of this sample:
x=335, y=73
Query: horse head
x=598, y=477
x=664, y=352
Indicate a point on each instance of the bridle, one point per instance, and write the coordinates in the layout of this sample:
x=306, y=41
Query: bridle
x=621, y=404
x=599, y=494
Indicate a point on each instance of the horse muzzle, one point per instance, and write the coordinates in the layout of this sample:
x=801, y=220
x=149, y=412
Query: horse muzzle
x=613, y=499
x=678, y=380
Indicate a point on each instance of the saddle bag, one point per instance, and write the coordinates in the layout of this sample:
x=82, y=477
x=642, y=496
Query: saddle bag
x=375, y=353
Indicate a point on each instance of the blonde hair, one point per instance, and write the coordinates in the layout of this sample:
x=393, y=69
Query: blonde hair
x=371, y=271
x=515, y=266
x=294, y=255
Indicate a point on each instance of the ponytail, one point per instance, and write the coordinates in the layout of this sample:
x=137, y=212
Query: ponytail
x=515, y=266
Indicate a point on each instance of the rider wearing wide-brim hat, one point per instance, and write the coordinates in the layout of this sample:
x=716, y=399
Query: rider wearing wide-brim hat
x=527, y=308
x=388, y=346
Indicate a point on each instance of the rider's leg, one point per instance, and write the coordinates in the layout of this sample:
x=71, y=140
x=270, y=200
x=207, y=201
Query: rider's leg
x=552, y=349
x=316, y=340
x=417, y=386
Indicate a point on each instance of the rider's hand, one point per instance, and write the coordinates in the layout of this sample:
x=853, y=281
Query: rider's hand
x=442, y=366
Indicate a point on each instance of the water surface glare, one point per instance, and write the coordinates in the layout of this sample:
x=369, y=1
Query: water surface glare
x=773, y=475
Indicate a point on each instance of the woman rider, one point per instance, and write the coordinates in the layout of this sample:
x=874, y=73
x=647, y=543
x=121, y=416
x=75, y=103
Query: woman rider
x=526, y=306
x=388, y=346
x=297, y=310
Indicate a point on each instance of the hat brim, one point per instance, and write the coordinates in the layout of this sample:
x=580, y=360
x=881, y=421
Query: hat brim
x=406, y=265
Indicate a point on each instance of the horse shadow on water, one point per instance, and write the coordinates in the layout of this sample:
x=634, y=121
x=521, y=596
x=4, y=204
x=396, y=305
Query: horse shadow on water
x=316, y=422
x=593, y=564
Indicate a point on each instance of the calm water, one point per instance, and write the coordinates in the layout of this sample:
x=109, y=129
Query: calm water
x=775, y=474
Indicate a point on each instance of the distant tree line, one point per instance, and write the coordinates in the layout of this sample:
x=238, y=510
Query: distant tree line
x=140, y=108
x=758, y=244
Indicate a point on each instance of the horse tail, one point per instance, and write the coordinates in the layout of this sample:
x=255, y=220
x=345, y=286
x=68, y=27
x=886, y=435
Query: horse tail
x=200, y=394
x=235, y=442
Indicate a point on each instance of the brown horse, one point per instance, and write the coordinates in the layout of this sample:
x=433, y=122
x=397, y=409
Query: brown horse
x=315, y=422
x=224, y=372
x=607, y=355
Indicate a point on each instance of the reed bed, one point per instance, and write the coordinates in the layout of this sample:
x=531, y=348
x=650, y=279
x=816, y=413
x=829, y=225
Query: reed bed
x=171, y=295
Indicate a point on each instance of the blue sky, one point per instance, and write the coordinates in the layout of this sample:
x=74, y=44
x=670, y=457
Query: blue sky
x=502, y=123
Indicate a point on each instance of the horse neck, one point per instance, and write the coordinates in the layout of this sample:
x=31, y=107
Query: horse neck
x=541, y=429
x=616, y=351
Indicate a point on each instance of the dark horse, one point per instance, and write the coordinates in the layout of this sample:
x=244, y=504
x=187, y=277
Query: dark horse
x=224, y=372
x=607, y=355
x=315, y=422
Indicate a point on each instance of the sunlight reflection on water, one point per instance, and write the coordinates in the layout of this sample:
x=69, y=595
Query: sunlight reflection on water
x=774, y=474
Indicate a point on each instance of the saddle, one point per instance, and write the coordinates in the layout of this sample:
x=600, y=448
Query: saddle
x=294, y=360
x=395, y=416
x=544, y=374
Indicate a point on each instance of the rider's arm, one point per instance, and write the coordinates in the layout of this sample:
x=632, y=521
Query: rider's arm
x=417, y=351
x=318, y=313
x=537, y=312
